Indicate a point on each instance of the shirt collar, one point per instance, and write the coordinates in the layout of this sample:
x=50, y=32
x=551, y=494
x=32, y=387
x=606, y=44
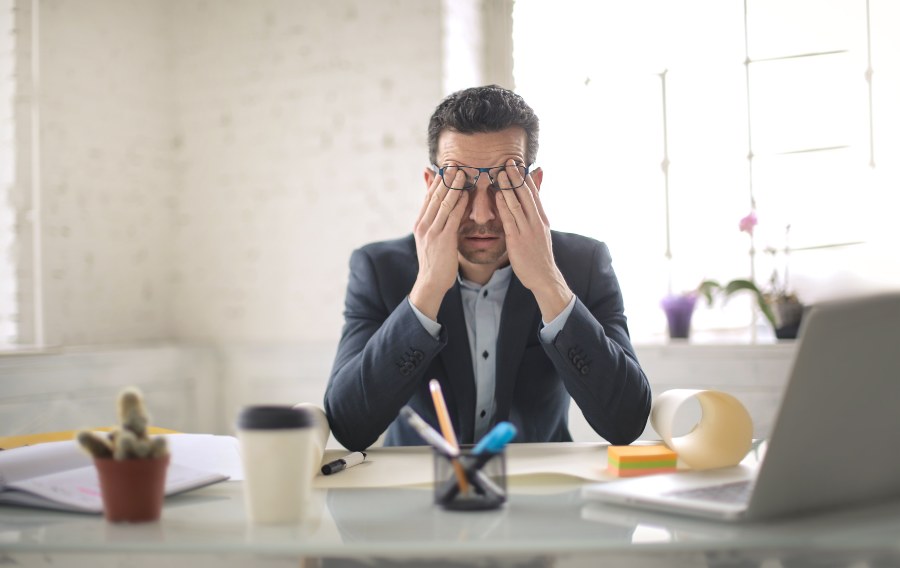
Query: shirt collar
x=499, y=280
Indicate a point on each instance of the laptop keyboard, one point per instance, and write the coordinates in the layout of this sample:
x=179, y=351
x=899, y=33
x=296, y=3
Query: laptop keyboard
x=737, y=492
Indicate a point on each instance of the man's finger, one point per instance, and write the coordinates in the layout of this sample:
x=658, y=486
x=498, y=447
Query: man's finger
x=454, y=218
x=510, y=225
x=524, y=193
x=529, y=181
x=512, y=171
x=448, y=203
x=433, y=205
x=435, y=183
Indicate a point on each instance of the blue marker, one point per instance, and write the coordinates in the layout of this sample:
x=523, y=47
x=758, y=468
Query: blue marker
x=494, y=441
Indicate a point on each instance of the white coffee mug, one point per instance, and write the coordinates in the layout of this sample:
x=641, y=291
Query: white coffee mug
x=278, y=452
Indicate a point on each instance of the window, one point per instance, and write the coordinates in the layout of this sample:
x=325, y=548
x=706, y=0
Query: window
x=663, y=123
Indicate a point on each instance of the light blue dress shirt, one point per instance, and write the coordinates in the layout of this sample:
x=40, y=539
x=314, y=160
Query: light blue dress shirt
x=482, y=306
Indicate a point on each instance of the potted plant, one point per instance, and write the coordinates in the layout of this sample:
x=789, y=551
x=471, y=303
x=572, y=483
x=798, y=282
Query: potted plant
x=781, y=307
x=709, y=288
x=787, y=308
x=131, y=465
x=679, y=309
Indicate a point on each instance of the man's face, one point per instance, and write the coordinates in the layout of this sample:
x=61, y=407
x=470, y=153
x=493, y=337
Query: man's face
x=481, y=237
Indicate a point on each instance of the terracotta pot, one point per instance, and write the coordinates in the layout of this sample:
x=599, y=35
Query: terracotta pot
x=132, y=490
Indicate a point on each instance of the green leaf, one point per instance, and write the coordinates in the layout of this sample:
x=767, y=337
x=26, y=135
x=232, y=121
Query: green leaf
x=741, y=284
x=707, y=288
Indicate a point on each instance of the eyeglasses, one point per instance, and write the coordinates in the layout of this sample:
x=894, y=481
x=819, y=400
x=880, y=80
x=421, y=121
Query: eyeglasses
x=449, y=173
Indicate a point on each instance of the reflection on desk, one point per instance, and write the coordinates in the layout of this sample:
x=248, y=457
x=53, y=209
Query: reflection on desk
x=543, y=520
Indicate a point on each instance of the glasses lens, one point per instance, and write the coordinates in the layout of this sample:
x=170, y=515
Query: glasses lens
x=515, y=175
x=453, y=180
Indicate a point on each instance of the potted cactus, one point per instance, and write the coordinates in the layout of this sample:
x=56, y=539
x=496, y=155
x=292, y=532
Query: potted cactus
x=131, y=465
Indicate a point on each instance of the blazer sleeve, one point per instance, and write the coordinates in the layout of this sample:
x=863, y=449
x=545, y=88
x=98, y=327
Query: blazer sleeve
x=381, y=359
x=596, y=361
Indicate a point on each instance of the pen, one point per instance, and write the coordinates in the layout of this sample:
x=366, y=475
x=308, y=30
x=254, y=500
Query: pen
x=343, y=463
x=447, y=429
x=429, y=434
x=494, y=441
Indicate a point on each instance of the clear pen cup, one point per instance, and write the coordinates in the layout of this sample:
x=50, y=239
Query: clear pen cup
x=485, y=481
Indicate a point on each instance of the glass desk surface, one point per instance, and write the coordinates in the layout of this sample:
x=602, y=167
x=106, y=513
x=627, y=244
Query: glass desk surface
x=540, y=518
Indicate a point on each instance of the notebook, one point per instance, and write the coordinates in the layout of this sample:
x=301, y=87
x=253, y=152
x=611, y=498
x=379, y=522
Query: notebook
x=60, y=475
x=835, y=437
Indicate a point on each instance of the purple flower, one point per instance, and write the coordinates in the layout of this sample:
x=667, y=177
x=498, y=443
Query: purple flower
x=747, y=223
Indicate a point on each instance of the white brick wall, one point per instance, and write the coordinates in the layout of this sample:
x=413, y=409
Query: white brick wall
x=208, y=167
x=301, y=136
x=107, y=170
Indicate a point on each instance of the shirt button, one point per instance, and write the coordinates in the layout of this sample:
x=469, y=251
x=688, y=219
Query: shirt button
x=485, y=354
x=483, y=413
x=484, y=295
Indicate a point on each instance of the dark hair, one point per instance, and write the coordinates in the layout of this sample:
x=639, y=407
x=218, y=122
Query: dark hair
x=483, y=109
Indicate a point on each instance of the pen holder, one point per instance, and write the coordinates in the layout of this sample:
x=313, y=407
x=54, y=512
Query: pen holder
x=485, y=476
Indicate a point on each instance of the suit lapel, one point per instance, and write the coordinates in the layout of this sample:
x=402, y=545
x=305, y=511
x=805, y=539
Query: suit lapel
x=457, y=359
x=516, y=323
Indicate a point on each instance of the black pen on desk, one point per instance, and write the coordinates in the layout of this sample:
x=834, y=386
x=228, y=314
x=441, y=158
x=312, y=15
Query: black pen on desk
x=343, y=463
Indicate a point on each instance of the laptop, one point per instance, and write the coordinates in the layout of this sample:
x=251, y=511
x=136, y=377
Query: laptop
x=835, y=438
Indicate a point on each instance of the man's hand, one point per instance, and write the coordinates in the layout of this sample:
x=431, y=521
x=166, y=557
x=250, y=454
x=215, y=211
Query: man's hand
x=437, y=245
x=528, y=242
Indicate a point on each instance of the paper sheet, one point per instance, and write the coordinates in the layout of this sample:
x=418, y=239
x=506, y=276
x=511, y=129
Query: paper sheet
x=721, y=438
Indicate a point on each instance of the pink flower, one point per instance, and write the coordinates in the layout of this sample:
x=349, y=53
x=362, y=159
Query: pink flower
x=747, y=223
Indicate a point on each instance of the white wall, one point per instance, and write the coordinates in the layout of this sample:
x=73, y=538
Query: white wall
x=107, y=170
x=208, y=167
x=301, y=135
x=61, y=391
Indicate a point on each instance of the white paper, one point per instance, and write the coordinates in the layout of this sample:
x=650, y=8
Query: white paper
x=207, y=452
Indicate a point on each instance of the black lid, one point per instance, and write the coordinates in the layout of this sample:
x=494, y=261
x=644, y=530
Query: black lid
x=271, y=417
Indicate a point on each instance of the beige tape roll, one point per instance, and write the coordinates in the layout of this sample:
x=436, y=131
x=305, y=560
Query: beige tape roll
x=721, y=438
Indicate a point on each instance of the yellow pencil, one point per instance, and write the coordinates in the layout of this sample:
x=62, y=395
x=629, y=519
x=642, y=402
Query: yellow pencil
x=447, y=430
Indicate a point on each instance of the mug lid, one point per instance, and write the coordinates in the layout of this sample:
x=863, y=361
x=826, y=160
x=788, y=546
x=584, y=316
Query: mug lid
x=274, y=417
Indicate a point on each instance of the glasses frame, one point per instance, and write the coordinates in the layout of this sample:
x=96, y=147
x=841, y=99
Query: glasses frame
x=440, y=171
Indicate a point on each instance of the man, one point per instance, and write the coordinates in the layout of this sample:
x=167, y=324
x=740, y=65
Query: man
x=511, y=318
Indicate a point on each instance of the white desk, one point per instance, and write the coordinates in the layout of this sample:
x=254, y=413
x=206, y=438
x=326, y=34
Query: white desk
x=545, y=523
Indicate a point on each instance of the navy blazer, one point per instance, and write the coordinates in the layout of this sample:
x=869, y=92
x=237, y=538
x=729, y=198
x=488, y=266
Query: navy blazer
x=386, y=357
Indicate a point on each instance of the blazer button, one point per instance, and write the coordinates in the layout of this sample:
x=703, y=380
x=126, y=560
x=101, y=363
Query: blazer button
x=417, y=355
x=585, y=369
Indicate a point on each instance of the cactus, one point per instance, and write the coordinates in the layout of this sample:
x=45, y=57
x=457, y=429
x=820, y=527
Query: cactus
x=129, y=440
